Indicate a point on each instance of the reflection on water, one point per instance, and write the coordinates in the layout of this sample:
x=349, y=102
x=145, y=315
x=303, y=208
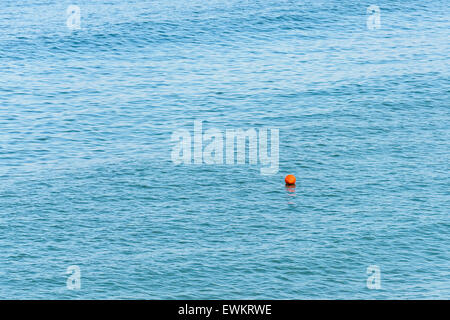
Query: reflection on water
x=291, y=193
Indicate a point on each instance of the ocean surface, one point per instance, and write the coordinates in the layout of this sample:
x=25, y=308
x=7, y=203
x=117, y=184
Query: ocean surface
x=87, y=179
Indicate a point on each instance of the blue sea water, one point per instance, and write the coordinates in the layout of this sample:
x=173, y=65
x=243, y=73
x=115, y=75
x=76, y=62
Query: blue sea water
x=87, y=178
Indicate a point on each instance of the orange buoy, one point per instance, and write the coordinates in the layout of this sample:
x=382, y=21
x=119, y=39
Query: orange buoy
x=290, y=179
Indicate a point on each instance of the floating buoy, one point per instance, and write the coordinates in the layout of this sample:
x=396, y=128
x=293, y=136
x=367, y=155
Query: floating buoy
x=290, y=179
